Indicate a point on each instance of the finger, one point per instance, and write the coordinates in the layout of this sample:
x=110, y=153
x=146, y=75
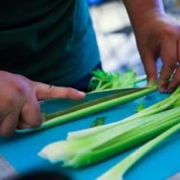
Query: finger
x=9, y=123
x=22, y=124
x=44, y=91
x=31, y=114
x=178, y=51
x=168, y=54
x=176, y=77
x=165, y=74
x=150, y=66
x=175, y=82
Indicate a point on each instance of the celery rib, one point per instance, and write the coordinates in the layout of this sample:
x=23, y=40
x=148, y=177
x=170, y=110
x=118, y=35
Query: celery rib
x=129, y=140
x=158, y=107
x=96, y=148
x=117, y=172
x=95, y=108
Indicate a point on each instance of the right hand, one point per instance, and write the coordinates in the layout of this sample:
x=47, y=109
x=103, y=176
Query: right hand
x=19, y=107
x=158, y=36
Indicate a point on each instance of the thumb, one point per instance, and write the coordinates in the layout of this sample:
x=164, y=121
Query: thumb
x=45, y=91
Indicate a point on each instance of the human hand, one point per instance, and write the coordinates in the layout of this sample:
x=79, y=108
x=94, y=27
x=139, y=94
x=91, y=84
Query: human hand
x=157, y=36
x=19, y=107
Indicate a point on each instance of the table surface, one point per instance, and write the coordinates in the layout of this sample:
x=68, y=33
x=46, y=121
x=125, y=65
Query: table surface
x=21, y=149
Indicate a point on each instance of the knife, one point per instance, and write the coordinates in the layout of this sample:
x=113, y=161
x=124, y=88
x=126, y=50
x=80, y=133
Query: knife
x=90, y=99
x=58, y=111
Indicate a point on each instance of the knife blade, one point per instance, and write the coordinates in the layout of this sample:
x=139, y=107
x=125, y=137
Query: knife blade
x=90, y=99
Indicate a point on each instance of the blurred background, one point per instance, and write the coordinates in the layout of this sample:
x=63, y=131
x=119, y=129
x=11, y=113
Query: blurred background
x=115, y=36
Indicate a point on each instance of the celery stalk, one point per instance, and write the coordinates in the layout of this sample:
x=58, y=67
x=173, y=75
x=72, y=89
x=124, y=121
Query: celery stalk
x=103, y=142
x=133, y=138
x=85, y=151
x=96, y=108
x=163, y=105
x=117, y=172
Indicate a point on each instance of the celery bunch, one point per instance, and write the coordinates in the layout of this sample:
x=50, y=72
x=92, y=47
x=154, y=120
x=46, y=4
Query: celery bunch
x=92, y=145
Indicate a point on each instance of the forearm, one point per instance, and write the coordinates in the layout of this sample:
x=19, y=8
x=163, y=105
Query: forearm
x=139, y=9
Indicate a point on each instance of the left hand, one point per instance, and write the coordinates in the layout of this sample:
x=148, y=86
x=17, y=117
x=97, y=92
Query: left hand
x=19, y=107
x=157, y=36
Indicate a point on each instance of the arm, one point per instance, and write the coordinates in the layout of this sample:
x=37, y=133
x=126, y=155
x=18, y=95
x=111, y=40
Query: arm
x=156, y=36
x=138, y=9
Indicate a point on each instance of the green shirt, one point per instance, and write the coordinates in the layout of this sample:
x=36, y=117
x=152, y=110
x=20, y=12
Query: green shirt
x=51, y=41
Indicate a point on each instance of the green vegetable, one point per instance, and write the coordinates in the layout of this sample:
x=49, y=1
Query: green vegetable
x=140, y=107
x=117, y=172
x=89, y=108
x=98, y=122
x=96, y=144
x=102, y=80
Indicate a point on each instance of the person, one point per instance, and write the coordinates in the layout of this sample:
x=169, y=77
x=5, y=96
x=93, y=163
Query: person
x=48, y=49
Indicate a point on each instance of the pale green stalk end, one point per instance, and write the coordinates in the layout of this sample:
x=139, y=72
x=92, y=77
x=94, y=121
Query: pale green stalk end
x=118, y=171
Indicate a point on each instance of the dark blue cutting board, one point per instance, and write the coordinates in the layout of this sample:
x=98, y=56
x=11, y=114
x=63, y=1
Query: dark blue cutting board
x=21, y=149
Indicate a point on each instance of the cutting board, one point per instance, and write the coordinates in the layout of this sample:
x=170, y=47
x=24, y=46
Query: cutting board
x=21, y=149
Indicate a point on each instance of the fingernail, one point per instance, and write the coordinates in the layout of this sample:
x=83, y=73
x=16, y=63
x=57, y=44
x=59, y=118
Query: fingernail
x=162, y=90
x=81, y=93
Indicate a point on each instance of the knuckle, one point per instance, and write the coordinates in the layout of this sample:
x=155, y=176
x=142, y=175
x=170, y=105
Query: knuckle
x=21, y=85
x=19, y=88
